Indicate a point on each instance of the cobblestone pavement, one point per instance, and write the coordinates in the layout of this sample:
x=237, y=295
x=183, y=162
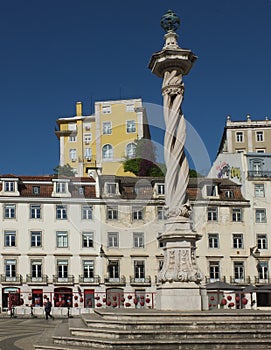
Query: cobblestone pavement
x=19, y=333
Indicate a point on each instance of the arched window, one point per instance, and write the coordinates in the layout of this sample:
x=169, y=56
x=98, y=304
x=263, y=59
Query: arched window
x=130, y=150
x=107, y=152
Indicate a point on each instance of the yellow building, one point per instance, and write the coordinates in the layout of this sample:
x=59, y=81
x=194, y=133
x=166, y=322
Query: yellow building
x=102, y=141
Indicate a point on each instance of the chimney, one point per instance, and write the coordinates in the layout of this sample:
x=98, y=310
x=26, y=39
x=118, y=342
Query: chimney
x=78, y=109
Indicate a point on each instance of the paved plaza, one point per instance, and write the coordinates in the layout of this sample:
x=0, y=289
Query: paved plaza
x=23, y=333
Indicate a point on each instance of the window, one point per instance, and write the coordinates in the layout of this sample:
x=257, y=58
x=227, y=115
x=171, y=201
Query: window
x=87, y=138
x=36, y=267
x=62, y=269
x=9, y=238
x=138, y=239
x=62, y=239
x=86, y=212
x=259, y=190
x=61, y=212
x=88, y=269
x=87, y=239
x=257, y=167
x=9, y=186
x=239, y=271
x=107, y=128
x=9, y=211
x=131, y=150
x=212, y=214
x=260, y=215
x=213, y=239
x=10, y=268
x=130, y=107
x=229, y=194
x=214, y=270
x=236, y=214
x=88, y=153
x=112, y=240
x=259, y=136
x=139, y=270
x=81, y=191
x=87, y=125
x=137, y=213
x=112, y=213
x=211, y=190
x=106, y=109
x=237, y=241
x=263, y=270
x=130, y=126
x=160, y=189
x=35, y=211
x=113, y=270
x=107, y=152
x=161, y=213
x=239, y=136
x=111, y=188
x=260, y=150
x=262, y=241
x=72, y=138
x=60, y=187
x=73, y=155
x=35, y=238
x=36, y=190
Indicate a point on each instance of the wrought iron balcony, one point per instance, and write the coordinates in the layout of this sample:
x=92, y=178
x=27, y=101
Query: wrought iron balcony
x=259, y=174
x=43, y=279
x=143, y=281
x=119, y=281
x=63, y=280
x=17, y=279
x=95, y=280
x=212, y=279
x=263, y=280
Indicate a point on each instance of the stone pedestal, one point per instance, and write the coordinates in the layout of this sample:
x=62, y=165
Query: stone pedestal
x=180, y=278
x=184, y=296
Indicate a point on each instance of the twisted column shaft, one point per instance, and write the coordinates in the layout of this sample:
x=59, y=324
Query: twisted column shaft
x=177, y=176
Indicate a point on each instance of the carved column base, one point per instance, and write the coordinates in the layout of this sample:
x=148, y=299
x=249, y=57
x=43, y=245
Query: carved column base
x=180, y=278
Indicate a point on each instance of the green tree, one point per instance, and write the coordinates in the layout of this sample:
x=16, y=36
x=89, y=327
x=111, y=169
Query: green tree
x=144, y=163
x=64, y=170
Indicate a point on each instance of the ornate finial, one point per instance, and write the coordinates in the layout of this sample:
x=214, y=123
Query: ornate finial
x=170, y=22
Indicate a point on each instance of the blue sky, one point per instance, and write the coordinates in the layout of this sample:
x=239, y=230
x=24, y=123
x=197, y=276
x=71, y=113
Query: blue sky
x=56, y=52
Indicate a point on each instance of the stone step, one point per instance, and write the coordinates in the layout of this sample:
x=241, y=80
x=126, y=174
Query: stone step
x=187, y=344
x=104, y=333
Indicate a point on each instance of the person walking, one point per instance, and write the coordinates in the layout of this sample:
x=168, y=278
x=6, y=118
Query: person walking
x=48, y=308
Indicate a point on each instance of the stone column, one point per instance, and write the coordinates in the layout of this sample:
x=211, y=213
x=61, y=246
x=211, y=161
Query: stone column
x=180, y=279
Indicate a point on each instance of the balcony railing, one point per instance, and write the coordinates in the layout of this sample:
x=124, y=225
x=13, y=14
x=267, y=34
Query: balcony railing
x=244, y=280
x=36, y=280
x=95, y=280
x=115, y=281
x=262, y=280
x=212, y=280
x=259, y=174
x=143, y=281
x=63, y=280
x=17, y=279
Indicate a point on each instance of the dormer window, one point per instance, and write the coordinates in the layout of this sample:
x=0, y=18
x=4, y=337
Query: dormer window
x=36, y=190
x=159, y=190
x=229, y=194
x=61, y=188
x=111, y=188
x=9, y=187
x=211, y=190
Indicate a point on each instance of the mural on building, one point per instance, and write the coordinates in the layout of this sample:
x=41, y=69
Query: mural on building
x=225, y=171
